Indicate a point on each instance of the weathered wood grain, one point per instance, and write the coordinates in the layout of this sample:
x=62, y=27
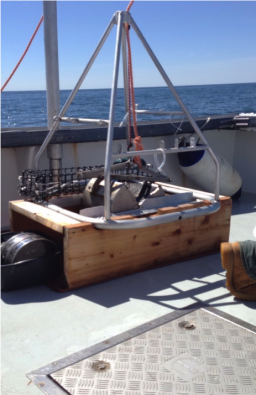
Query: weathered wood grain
x=92, y=255
x=42, y=215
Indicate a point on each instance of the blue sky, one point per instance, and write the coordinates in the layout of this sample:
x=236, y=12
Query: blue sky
x=204, y=42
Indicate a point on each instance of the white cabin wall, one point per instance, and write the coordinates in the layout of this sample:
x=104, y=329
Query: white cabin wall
x=13, y=162
x=245, y=158
x=25, y=157
x=222, y=142
x=238, y=147
x=9, y=183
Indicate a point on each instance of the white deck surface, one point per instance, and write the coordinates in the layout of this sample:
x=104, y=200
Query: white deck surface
x=40, y=326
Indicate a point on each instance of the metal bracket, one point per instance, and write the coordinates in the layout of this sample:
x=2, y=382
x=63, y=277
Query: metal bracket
x=126, y=16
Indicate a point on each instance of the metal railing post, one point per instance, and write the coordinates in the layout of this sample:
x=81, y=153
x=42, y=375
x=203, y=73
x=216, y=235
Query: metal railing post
x=52, y=77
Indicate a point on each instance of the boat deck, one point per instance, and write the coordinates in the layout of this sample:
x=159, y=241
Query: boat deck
x=40, y=326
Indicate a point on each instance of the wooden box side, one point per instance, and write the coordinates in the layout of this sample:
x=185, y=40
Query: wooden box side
x=92, y=256
x=41, y=215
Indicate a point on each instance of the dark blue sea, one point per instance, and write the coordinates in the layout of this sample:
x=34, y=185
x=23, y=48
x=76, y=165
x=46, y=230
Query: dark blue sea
x=21, y=109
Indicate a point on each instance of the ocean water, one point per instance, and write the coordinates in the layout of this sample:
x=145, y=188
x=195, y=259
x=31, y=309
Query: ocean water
x=28, y=108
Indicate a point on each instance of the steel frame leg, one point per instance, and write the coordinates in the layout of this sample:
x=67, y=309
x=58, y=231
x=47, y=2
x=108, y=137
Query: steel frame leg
x=108, y=158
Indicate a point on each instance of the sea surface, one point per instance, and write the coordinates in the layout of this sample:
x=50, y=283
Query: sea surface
x=28, y=108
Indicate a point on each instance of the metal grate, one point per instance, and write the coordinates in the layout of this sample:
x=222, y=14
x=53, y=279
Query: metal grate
x=216, y=357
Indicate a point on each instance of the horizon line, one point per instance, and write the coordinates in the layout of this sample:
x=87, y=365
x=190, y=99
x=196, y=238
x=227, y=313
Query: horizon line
x=138, y=87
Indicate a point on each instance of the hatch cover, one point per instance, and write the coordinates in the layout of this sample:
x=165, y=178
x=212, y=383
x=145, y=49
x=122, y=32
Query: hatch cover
x=197, y=353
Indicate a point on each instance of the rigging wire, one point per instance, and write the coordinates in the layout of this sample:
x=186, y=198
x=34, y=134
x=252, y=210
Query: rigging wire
x=24, y=53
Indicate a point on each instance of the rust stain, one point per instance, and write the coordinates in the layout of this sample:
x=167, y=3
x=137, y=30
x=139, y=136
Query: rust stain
x=134, y=237
x=75, y=154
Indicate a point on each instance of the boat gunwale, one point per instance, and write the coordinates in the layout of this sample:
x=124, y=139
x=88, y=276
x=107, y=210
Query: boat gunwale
x=34, y=136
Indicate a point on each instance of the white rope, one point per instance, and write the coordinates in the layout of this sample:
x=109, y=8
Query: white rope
x=124, y=120
x=160, y=167
x=177, y=128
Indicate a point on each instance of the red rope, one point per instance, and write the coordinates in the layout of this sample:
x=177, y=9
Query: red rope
x=129, y=112
x=131, y=98
x=24, y=53
x=129, y=5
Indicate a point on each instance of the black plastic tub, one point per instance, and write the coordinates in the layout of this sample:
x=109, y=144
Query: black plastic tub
x=28, y=272
x=25, y=273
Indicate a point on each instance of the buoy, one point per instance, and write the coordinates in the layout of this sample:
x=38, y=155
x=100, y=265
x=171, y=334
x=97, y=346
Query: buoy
x=200, y=168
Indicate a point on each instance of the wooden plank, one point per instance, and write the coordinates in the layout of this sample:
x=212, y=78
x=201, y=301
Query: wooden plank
x=100, y=262
x=222, y=216
x=94, y=255
x=181, y=207
x=123, y=217
x=20, y=223
x=42, y=215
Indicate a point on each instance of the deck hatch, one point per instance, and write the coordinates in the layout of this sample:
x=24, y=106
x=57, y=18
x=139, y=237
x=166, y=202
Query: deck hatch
x=169, y=359
x=218, y=356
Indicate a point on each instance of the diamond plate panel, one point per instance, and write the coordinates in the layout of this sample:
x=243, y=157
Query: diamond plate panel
x=199, y=353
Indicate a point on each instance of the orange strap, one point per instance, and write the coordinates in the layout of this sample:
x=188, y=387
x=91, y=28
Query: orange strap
x=131, y=98
x=24, y=53
x=138, y=147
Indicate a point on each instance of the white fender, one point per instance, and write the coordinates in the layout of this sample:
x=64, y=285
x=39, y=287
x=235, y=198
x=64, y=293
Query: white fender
x=202, y=171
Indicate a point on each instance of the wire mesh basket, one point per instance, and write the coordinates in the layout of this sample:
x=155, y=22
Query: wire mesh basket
x=42, y=185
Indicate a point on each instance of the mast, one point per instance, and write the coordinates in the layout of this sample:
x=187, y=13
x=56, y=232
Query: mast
x=54, y=151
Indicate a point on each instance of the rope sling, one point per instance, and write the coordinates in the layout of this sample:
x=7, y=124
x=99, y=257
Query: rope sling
x=24, y=53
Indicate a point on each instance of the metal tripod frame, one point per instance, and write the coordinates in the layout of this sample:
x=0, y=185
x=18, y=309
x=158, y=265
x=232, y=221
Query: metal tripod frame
x=120, y=18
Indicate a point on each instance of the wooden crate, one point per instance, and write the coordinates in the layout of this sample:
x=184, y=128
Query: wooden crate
x=91, y=255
